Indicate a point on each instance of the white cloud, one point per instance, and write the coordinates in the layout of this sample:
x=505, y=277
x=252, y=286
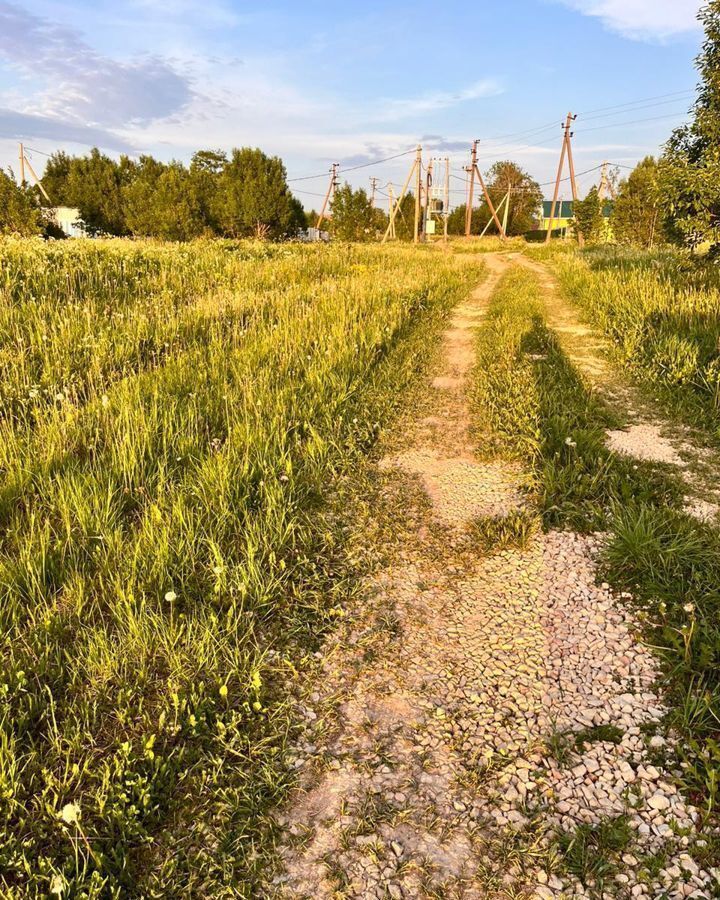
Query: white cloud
x=85, y=87
x=642, y=19
x=434, y=101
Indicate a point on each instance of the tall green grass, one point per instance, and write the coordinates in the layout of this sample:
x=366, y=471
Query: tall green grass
x=662, y=314
x=174, y=422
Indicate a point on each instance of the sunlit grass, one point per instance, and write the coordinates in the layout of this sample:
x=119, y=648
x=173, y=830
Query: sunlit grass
x=173, y=420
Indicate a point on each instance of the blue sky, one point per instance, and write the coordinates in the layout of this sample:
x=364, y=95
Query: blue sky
x=316, y=82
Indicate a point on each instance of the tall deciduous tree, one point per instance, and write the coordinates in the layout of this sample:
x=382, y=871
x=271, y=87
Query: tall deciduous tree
x=525, y=198
x=94, y=185
x=636, y=217
x=691, y=163
x=253, y=197
x=353, y=218
x=588, y=214
x=160, y=202
x=19, y=213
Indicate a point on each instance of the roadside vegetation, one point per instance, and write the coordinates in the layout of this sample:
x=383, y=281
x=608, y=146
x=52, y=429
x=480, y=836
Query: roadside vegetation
x=657, y=557
x=176, y=427
x=661, y=312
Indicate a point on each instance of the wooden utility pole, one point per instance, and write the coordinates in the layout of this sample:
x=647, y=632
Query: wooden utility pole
x=506, y=214
x=446, y=199
x=566, y=149
x=502, y=205
x=415, y=167
x=603, y=187
x=428, y=197
x=25, y=162
x=373, y=182
x=471, y=189
x=571, y=164
x=418, y=188
x=489, y=202
x=391, y=195
x=332, y=187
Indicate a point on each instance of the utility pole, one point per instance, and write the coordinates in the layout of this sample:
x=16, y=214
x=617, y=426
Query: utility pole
x=415, y=169
x=571, y=164
x=332, y=187
x=489, y=202
x=391, y=195
x=471, y=191
x=507, y=208
x=446, y=199
x=24, y=161
x=418, y=188
x=428, y=198
x=603, y=188
x=566, y=149
x=373, y=182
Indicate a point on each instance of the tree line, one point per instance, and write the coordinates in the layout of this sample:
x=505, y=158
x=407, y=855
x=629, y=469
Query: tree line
x=242, y=194
x=675, y=198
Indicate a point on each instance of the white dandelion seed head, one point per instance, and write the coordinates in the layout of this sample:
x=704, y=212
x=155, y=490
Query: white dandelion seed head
x=70, y=813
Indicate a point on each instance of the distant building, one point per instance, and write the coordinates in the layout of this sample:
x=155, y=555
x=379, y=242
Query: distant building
x=67, y=218
x=311, y=235
x=562, y=222
x=563, y=219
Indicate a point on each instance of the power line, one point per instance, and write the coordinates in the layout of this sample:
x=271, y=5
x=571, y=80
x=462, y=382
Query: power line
x=629, y=122
x=367, y=165
x=635, y=109
x=634, y=102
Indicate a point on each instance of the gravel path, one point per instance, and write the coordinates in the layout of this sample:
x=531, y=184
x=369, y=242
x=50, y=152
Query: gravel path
x=473, y=710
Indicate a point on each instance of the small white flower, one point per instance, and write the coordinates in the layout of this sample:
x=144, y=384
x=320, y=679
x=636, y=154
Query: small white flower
x=105, y=400
x=70, y=813
x=284, y=478
x=689, y=608
x=570, y=442
x=171, y=596
x=57, y=884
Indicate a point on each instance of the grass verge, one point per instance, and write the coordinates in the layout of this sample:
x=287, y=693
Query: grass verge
x=530, y=394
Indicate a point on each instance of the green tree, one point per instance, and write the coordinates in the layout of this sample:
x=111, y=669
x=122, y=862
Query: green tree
x=253, y=197
x=405, y=218
x=353, y=218
x=690, y=167
x=160, y=202
x=205, y=169
x=456, y=220
x=588, y=214
x=94, y=185
x=636, y=218
x=525, y=198
x=19, y=214
x=55, y=179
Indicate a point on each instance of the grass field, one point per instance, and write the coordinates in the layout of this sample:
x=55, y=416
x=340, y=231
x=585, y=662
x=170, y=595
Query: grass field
x=176, y=425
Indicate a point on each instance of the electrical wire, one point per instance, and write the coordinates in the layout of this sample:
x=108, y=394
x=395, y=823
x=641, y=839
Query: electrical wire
x=628, y=122
x=634, y=102
x=367, y=165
